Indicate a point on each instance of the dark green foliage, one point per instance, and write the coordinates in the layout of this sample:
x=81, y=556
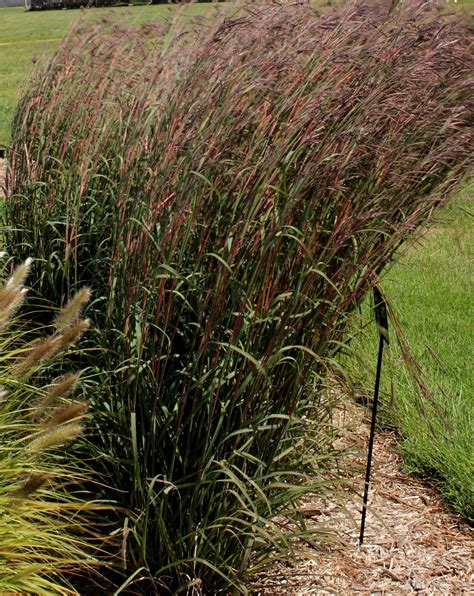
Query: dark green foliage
x=231, y=192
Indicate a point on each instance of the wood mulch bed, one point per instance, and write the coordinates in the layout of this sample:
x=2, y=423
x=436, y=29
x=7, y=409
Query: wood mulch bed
x=413, y=544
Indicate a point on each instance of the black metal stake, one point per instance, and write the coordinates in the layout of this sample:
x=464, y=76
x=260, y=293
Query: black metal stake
x=382, y=324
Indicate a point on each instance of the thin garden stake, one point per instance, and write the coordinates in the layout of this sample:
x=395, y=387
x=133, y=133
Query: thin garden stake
x=382, y=326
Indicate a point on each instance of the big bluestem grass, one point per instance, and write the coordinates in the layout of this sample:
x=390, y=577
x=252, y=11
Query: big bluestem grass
x=231, y=191
x=43, y=538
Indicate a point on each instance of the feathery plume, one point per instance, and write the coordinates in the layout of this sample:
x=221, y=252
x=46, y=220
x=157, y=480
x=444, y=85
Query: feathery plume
x=72, y=333
x=55, y=437
x=43, y=351
x=31, y=485
x=64, y=387
x=71, y=312
x=67, y=413
x=19, y=275
x=10, y=300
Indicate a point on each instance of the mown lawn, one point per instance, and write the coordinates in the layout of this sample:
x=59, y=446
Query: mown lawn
x=430, y=290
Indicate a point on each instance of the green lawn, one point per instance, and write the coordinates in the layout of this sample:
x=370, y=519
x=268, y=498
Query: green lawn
x=430, y=290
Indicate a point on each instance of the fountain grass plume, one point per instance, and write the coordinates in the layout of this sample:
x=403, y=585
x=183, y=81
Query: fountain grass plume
x=61, y=389
x=43, y=541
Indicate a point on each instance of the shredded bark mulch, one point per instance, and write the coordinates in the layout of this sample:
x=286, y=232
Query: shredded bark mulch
x=413, y=544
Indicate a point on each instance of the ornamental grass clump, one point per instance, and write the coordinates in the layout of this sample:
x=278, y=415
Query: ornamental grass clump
x=231, y=191
x=44, y=543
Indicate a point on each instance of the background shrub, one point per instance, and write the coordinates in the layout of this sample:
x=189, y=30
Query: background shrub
x=231, y=191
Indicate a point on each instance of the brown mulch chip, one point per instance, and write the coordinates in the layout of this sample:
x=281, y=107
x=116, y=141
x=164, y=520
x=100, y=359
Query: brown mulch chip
x=413, y=544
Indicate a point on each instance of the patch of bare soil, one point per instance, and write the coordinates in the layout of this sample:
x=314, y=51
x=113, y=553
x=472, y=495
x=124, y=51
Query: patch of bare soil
x=413, y=544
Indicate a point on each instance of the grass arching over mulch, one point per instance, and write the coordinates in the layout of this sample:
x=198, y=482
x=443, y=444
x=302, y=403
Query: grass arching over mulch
x=231, y=207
